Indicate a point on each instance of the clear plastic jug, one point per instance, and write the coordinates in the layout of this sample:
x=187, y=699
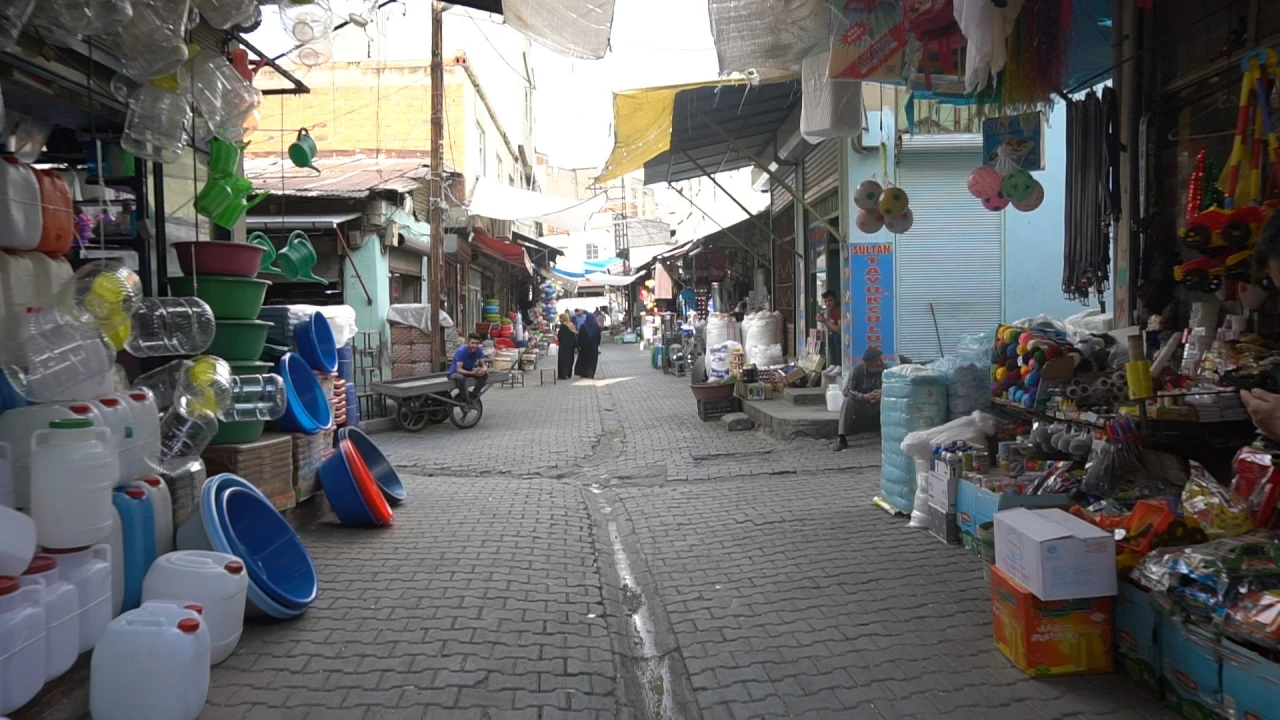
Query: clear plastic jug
x=68, y=16
x=13, y=16
x=73, y=470
x=153, y=44
x=171, y=326
x=55, y=358
x=184, y=434
x=157, y=124
x=107, y=16
x=228, y=102
x=306, y=20
x=224, y=14
x=256, y=397
x=103, y=294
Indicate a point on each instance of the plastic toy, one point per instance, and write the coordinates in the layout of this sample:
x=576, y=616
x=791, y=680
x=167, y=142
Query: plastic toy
x=1018, y=185
x=1216, y=227
x=898, y=224
x=894, y=201
x=1206, y=274
x=996, y=202
x=867, y=195
x=1032, y=201
x=984, y=182
x=869, y=221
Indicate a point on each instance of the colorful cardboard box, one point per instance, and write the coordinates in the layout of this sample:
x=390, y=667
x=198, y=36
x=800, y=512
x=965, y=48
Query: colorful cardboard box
x=976, y=505
x=1191, y=670
x=1250, y=684
x=1045, y=638
x=1137, y=636
x=1055, y=554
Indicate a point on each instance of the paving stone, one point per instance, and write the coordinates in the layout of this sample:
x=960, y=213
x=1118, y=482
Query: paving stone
x=737, y=422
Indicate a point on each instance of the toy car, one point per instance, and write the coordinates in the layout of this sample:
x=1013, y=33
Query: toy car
x=1216, y=227
x=1206, y=274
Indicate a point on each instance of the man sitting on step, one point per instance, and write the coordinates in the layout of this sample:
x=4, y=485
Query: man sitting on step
x=860, y=411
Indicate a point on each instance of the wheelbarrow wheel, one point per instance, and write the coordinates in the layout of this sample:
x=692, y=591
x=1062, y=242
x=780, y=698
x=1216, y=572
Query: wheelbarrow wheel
x=437, y=414
x=410, y=420
x=465, y=418
x=416, y=403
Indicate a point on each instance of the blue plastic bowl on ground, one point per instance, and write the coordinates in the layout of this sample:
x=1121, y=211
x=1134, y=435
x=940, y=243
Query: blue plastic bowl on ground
x=272, y=552
x=342, y=492
x=383, y=473
x=308, y=411
x=316, y=345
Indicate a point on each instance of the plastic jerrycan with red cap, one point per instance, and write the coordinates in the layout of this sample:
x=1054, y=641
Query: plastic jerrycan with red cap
x=152, y=663
x=17, y=426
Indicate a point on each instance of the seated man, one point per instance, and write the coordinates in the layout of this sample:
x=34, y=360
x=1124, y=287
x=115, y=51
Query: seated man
x=860, y=411
x=468, y=363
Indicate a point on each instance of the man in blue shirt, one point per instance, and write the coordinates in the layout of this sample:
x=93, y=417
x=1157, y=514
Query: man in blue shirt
x=468, y=363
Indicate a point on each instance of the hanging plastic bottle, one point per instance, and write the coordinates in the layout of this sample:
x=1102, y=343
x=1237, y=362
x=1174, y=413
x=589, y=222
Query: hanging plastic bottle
x=203, y=383
x=224, y=14
x=228, y=102
x=157, y=124
x=57, y=358
x=306, y=20
x=170, y=326
x=256, y=397
x=107, y=16
x=184, y=433
x=70, y=17
x=104, y=294
x=13, y=16
x=153, y=44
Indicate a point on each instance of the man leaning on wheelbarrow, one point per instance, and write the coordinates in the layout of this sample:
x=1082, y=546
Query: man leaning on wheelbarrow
x=468, y=364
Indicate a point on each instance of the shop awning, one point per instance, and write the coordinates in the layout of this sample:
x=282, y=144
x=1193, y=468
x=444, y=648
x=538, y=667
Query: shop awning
x=613, y=280
x=580, y=270
x=492, y=199
x=323, y=221
x=508, y=252
x=660, y=129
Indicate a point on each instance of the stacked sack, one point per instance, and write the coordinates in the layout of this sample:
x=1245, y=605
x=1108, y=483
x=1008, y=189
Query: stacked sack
x=968, y=375
x=913, y=397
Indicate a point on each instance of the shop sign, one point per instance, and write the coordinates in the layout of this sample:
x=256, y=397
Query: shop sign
x=818, y=248
x=869, y=302
x=1022, y=135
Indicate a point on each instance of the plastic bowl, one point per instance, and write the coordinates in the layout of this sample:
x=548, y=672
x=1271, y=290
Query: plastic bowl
x=314, y=338
x=383, y=472
x=339, y=483
x=369, y=489
x=239, y=433
x=216, y=257
x=229, y=296
x=308, y=411
x=239, y=340
x=272, y=553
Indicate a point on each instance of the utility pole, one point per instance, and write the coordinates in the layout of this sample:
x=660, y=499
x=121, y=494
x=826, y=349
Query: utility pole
x=437, y=286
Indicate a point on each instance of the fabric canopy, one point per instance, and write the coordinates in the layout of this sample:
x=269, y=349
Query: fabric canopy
x=503, y=250
x=492, y=199
x=576, y=28
x=613, y=280
x=580, y=270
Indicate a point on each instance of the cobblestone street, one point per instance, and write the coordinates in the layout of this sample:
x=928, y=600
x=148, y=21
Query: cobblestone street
x=593, y=550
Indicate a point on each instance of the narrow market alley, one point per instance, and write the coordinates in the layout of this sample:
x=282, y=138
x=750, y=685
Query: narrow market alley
x=593, y=550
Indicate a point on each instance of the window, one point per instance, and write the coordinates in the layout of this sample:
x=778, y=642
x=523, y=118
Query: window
x=498, y=160
x=484, y=156
x=593, y=251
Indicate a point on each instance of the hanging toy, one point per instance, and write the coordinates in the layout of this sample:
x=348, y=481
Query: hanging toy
x=893, y=201
x=869, y=221
x=867, y=195
x=1032, y=201
x=898, y=224
x=996, y=202
x=1018, y=185
x=1195, y=188
x=984, y=182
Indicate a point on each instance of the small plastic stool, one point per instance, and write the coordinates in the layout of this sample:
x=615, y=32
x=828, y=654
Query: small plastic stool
x=542, y=376
x=514, y=379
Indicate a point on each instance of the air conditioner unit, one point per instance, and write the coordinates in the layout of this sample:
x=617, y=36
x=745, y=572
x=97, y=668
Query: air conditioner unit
x=391, y=235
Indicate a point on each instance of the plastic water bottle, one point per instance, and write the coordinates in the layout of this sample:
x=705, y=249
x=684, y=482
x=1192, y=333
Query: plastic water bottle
x=184, y=434
x=171, y=326
x=153, y=44
x=255, y=397
x=227, y=101
x=57, y=357
x=224, y=14
x=156, y=125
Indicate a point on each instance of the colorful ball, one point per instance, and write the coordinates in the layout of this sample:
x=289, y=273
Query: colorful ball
x=1032, y=380
x=1001, y=374
x=1018, y=185
x=869, y=221
x=1029, y=400
x=893, y=201
x=898, y=224
x=867, y=195
x=995, y=203
x=1012, y=351
x=1022, y=349
x=1026, y=338
x=1032, y=201
x=984, y=182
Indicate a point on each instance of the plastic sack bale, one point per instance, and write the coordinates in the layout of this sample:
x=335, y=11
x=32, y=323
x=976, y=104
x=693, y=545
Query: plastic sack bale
x=761, y=328
x=828, y=108
x=973, y=429
x=767, y=34
x=718, y=357
x=968, y=374
x=766, y=356
x=913, y=398
x=722, y=328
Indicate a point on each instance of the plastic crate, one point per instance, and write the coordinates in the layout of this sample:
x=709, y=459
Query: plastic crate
x=710, y=410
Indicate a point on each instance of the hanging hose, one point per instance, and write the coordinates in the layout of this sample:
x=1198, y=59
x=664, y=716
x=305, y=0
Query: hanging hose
x=1092, y=203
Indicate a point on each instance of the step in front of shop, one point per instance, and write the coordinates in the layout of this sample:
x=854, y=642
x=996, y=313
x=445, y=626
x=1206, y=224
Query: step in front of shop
x=787, y=422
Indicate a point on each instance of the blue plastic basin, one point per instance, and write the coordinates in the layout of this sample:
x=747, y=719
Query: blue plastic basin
x=342, y=492
x=308, y=411
x=316, y=345
x=383, y=473
x=272, y=552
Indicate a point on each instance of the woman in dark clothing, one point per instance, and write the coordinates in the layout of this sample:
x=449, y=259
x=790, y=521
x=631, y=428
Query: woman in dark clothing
x=588, y=347
x=567, y=339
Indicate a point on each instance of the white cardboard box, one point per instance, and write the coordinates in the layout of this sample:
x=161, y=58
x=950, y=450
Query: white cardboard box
x=1055, y=555
x=942, y=491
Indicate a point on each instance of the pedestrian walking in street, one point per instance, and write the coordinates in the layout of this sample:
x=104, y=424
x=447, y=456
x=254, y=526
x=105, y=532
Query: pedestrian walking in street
x=860, y=411
x=567, y=339
x=469, y=364
x=588, y=347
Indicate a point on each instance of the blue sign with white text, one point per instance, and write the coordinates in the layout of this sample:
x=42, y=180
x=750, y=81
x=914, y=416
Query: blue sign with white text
x=870, y=299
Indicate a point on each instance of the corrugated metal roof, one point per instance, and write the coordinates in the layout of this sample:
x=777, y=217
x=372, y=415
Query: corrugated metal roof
x=346, y=177
x=307, y=222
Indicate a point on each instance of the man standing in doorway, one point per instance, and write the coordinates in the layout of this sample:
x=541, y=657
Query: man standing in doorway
x=830, y=319
x=468, y=364
x=860, y=411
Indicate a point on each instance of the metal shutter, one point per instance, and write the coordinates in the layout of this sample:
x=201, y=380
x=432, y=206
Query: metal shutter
x=822, y=169
x=954, y=254
x=779, y=198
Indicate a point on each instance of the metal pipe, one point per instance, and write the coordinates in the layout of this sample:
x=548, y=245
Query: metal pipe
x=343, y=241
x=725, y=190
x=300, y=88
x=723, y=229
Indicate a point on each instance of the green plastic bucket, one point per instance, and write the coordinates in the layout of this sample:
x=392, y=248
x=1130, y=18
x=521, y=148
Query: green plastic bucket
x=239, y=340
x=230, y=297
x=238, y=433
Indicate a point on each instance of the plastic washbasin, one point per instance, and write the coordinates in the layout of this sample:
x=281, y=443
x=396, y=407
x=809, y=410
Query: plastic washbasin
x=314, y=338
x=339, y=483
x=228, y=296
x=308, y=410
x=239, y=340
x=272, y=552
x=218, y=258
x=239, y=433
x=383, y=472
x=369, y=490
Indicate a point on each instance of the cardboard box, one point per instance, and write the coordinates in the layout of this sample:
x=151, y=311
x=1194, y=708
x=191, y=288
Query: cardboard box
x=795, y=376
x=1137, y=637
x=942, y=491
x=1250, y=684
x=942, y=525
x=1044, y=638
x=976, y=505
x=1056, y=555
x=1191, y=670
x=407, y=335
